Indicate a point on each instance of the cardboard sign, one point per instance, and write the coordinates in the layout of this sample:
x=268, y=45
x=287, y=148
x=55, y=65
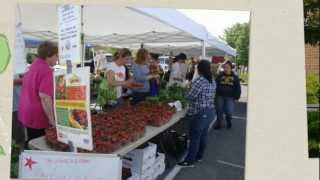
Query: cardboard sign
x=69, y=19
x=72, y=107
x=44, y=165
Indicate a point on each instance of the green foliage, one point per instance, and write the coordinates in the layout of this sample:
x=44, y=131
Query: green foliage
x=88, y=53
x=2, y=151
x=312, y=22
x=30, y=57
x=243, y=77
x=15, y=152
x=170, y=94
x=314, y=133
x=106, y=93
x=237, y=37
x=110, y=50
x=313, y=89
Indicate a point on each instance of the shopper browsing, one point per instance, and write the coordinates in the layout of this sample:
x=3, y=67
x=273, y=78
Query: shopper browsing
x=141, y=74
x=116, y=74
x=228, y=91
x=36, y=101
x=201, y=113
x=178, y=70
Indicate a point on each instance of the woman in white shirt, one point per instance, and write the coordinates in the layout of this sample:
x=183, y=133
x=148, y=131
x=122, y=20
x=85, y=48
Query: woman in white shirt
x=116, y=73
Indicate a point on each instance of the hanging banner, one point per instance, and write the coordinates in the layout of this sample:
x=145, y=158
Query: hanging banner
x=19, y=54
x=72, y=107
x=51, y=165
x=69, y=22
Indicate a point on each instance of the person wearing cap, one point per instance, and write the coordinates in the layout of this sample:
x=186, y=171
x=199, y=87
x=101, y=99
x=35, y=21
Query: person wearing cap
x=178, y=70
x=228, y=91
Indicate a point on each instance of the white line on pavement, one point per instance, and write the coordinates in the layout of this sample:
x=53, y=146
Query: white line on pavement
x=238, y=117
x=173, y=173
x=230, y=164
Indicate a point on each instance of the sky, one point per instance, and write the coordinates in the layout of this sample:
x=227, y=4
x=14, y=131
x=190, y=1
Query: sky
x=217, y=20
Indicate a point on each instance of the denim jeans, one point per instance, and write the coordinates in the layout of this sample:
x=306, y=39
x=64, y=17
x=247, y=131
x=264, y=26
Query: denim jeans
x=224, y=105
x=198, y=132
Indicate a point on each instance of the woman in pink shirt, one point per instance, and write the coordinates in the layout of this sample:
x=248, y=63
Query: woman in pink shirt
x=36, y=102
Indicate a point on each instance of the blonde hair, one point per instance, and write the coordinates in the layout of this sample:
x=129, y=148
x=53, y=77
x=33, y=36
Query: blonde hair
x=142, y=56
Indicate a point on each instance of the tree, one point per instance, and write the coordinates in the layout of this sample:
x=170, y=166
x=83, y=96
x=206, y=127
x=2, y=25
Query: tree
x=237, y=36
x=312, y=21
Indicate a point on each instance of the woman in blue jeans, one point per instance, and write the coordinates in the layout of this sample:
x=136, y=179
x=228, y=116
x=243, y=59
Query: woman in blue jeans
x=201, y=113
x=228, y=91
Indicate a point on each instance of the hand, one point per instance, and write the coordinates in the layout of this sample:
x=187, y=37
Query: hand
x=152, y=76
x=96, y=76
x=52, y=122
x=133, y=85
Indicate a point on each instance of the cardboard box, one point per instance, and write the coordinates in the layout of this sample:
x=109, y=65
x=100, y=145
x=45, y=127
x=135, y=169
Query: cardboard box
x=138, y=166
x=143, y=154
x=140, y=160
x=148, y=175
x=159, y=165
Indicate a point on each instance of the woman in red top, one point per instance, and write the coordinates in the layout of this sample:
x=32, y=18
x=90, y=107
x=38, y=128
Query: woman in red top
x=36, y=102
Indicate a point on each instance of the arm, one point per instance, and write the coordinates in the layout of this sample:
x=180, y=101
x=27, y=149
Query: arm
x=140, y=77
x=17, y=81
x=237, y=88
x=46, y=93
x=194, y=92
x=47, y=105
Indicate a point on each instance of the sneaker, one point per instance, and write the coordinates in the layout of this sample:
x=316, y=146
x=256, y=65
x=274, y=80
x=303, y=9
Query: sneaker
x=199, y=160
x=185, y=164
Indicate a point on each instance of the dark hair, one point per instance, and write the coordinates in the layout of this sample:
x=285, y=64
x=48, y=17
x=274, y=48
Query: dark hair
x=47, y=49
x=204, y=69
x=124, y=52
x=154, y=56
x=228, y=63
x=180, y=56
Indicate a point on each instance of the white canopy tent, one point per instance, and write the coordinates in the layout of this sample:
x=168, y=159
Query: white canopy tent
x=125, y=27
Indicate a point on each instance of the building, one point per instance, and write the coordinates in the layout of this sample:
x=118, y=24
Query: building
x=312, y=59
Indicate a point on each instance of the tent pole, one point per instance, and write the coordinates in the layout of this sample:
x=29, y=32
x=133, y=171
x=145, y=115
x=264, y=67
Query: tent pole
x=203, y=48
x=82, y=39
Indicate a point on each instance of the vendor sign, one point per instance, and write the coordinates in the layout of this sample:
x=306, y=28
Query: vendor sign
x=72, y=107
x=69, y=166
x=69, y=34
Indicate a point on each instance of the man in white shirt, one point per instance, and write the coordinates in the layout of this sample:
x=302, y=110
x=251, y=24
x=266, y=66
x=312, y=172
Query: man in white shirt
x=178, y=70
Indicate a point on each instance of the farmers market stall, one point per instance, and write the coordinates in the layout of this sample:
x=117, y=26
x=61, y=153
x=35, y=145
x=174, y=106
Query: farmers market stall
x=150, y=132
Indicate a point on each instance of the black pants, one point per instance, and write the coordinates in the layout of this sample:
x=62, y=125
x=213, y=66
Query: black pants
x=33, y=134
x=17, y=129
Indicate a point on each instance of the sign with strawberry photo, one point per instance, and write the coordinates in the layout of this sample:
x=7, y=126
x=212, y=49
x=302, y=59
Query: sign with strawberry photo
x=72, y=107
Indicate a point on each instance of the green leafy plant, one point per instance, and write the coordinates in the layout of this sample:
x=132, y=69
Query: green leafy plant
x=313, y=89
x=15, y=152
x=313, y=133
x=2, y=151
x=170, y=94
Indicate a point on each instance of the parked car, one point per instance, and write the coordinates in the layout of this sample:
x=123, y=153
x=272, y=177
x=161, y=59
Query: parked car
x=164, y=63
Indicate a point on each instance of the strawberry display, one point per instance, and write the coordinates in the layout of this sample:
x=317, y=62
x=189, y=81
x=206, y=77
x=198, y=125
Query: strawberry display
x=112, y=130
